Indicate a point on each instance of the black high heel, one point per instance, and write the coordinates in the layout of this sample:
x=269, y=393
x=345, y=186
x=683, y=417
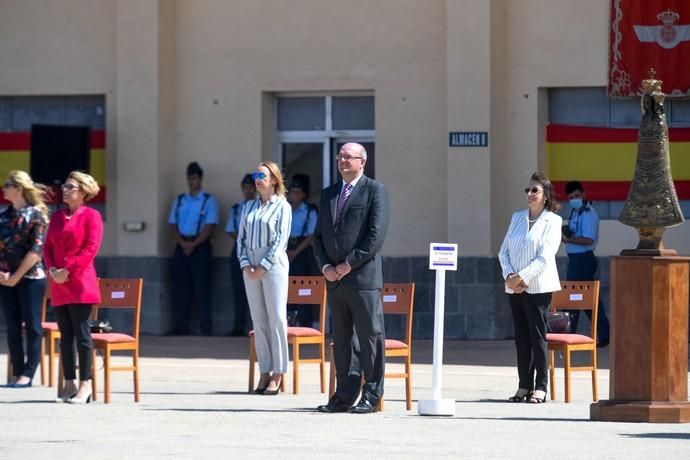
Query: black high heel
x=273, y=392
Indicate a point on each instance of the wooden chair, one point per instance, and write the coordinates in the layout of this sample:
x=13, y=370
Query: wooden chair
x=574, y=295
x=44, y=308
x=398, y=299
x=51, y=335
x=302, y=290
x=120, y=294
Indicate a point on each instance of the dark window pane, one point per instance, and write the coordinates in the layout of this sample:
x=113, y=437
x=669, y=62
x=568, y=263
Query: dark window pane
x=301, y=113
x=353, y=112
x=680, y=112
x=578, y=106
x=625, y=113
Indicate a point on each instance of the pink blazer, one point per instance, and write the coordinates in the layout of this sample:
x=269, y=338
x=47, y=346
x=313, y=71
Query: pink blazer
x=72, y=242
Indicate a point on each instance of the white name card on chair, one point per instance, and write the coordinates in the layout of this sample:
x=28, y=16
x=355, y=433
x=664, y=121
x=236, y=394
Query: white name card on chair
x=304, y=292
x=575, y=297
x=390, y=298
x=117, y=295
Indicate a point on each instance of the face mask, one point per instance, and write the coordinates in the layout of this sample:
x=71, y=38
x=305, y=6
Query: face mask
x=576, y=203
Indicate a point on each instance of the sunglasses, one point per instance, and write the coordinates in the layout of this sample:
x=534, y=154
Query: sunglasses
x=259, y=176
x=9, y=185
x=69, y=187
x=533, y=190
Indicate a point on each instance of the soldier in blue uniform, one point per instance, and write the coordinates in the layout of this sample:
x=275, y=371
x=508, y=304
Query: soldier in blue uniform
x=240, y=323
x=193, y=217
x=300, y=253
x=580, y=237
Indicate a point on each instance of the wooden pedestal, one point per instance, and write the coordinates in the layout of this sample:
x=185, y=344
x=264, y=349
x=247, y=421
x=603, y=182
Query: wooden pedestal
x=649, y=341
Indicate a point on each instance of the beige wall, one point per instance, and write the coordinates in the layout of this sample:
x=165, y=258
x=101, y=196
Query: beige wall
x=194, y=80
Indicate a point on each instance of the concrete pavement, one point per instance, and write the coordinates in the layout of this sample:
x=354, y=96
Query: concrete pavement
x=195, y=405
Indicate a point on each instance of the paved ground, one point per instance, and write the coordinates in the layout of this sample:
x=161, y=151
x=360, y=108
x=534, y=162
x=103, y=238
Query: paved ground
x=194, y=405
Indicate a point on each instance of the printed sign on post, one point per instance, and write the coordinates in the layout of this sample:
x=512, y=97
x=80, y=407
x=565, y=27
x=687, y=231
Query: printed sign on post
x=443, y=256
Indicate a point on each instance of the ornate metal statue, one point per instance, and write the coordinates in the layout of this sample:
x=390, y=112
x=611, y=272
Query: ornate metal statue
x=652, y=203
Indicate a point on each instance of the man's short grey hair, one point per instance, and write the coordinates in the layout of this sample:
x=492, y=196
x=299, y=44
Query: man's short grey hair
x=363, y=152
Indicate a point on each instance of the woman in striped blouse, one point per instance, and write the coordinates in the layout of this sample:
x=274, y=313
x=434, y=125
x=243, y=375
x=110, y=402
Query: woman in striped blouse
x=528, y=260
x=262, y=249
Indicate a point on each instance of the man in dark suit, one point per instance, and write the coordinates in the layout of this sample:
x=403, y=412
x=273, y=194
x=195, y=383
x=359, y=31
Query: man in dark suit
x=352, y=225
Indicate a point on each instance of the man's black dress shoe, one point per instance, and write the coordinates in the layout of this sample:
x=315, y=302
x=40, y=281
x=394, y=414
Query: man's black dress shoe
x=334, y=405
x=603, y=343
x=364, y=407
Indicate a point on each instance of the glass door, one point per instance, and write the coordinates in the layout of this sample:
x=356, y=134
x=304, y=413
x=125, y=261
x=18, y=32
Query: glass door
x=310, y=158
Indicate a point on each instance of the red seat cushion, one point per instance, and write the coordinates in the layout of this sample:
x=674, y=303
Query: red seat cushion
x=50, y=326
x=294, y=331
x=569, y=339
x=392, y=344
x=112, y=337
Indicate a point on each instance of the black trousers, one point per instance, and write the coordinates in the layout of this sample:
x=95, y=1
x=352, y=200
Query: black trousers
x=241, y=322
x=73, y=321
x=191, y=275
x=529, y=321
x=22, y=304
x=582, y=267
x=359, y=342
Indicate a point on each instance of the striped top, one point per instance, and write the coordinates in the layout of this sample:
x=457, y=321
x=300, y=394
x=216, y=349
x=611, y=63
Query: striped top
x=531, y=253
x=264, y=227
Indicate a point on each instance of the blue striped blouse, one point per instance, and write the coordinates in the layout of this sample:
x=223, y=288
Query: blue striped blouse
x=264, y=227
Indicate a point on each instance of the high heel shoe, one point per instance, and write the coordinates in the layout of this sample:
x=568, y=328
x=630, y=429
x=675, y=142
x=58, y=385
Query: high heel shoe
x=86, y=400
x=273, y=392
x=21, y=385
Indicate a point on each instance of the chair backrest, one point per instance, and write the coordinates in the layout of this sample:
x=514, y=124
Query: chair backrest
x=309, y=290
x=121, y=294
x=578, y=295
x=398, y=299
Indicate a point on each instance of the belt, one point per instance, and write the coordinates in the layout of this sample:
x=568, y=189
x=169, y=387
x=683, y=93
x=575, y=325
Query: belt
x=188, y=238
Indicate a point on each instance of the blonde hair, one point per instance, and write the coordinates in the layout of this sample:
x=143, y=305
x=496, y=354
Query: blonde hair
x=34, y=194
x=273, y=168
x=87, y=184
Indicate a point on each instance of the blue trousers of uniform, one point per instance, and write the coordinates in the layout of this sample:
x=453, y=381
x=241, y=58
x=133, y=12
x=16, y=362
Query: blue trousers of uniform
x=582, y=267
x=191, y=276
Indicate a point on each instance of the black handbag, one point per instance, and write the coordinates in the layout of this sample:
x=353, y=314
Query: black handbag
x=558, y=322
x=99, y=326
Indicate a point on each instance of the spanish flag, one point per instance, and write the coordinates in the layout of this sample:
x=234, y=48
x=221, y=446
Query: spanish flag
x=15, y=153
x=603, y=159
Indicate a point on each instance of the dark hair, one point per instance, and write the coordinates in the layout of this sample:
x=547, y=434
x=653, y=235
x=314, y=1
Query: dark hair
x=551, y=204
x=300, y=181
x=573, y=186
x=248, y=180
x=193, y=169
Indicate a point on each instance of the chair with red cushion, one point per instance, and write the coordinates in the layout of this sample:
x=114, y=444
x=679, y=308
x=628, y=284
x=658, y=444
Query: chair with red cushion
x=118, y=294
x=398, y=299
x=574, y=295
x=302, y=290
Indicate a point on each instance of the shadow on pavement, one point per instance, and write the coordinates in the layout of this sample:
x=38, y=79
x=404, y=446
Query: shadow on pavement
x=657, y=435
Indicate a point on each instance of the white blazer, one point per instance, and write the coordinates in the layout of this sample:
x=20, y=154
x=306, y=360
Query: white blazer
x=531, y=253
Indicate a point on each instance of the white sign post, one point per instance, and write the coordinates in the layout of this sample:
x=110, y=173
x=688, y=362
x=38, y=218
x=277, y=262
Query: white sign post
x=442, y=257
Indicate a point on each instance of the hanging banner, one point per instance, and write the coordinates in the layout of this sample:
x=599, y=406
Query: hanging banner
x=649, y=34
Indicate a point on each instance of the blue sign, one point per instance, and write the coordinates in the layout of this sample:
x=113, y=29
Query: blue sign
x=468, y=139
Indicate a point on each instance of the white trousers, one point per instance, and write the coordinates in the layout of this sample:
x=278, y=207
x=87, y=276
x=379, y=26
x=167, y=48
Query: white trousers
x=268, y=306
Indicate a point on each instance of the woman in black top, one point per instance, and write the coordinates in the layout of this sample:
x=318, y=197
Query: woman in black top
x=22, y=275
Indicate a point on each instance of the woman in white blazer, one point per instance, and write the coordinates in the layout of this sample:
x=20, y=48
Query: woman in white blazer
x=528, y=260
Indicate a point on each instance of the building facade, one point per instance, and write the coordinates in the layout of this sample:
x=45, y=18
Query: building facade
x=230, y=83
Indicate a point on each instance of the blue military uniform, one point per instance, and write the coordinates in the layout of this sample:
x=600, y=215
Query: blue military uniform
x=191, y=273
x=303, y=226
x=582, y=263
x=241, y=323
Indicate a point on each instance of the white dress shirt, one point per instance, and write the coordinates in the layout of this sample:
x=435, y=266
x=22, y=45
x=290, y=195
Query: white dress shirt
x=531, y=253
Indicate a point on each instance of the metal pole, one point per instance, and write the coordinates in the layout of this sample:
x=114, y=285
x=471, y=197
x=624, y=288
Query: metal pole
x=439, y=302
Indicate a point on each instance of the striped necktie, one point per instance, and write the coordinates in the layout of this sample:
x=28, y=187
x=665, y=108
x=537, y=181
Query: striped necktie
x=341, y=202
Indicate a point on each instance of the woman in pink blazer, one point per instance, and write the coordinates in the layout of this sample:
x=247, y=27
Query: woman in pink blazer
x=74, y=237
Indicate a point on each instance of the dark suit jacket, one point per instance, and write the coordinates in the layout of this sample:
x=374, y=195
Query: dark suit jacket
x=358, y=238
